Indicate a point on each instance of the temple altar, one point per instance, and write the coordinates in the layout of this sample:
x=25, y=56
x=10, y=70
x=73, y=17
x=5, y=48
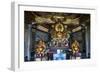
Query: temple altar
x=56, y=36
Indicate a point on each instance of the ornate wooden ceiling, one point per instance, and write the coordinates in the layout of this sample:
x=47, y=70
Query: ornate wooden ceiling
x=46, y=19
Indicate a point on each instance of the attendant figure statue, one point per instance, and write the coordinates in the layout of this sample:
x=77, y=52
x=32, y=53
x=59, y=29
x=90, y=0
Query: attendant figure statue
x=75, y=49
x=40, y=50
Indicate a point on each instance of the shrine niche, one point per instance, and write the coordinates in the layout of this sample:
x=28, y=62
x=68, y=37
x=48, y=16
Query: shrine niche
x=56, y=36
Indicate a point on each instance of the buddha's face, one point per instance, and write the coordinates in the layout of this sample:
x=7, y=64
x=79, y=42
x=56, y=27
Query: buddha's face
x=40, y=42
x=75, y=41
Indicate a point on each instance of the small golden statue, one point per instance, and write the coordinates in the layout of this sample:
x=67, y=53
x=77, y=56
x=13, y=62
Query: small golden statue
x=40, y=47
x=75, y=47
